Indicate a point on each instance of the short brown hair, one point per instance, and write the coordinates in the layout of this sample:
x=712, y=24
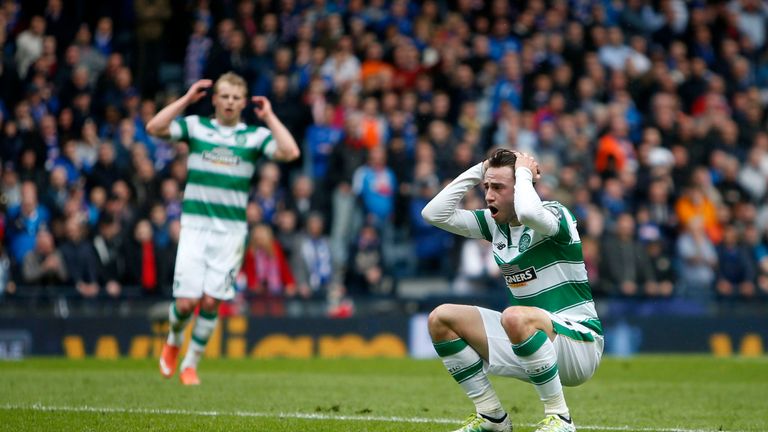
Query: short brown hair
x=233, y=79
x=501, y=158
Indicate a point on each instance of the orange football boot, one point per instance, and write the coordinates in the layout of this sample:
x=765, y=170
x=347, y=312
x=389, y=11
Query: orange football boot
x=189, y=376
x=168, y=360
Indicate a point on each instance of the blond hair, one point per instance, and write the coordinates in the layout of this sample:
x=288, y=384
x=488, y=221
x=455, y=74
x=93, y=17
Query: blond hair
x=232, y=79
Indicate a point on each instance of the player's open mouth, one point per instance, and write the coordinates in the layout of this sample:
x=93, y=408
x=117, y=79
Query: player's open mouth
x=493, y=210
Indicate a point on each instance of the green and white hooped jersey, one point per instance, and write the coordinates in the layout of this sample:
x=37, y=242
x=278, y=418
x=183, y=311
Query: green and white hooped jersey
x=222, y=161
x=542, y=271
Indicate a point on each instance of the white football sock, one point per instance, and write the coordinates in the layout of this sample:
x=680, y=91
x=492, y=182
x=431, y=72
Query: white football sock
x=539, y=359
x=201, y=332
x=466, y=367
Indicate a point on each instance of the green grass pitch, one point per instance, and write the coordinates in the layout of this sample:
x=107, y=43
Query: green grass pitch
x=642, y=394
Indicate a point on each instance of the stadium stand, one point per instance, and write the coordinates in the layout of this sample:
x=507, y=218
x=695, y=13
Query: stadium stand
x=648, y=119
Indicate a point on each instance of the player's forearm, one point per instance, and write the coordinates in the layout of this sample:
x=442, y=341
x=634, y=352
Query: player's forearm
x=160, y=124
x=441, y=211
x=528, y=206
x=287, y=148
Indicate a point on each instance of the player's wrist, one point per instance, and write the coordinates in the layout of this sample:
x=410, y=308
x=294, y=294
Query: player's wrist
x=524, y=171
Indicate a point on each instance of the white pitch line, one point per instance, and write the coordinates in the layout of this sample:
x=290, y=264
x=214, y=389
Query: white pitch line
x=305, y=416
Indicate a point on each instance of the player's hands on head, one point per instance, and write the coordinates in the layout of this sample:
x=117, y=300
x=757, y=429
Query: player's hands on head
x=524, y=160
x=198, y=90
x=262, y=107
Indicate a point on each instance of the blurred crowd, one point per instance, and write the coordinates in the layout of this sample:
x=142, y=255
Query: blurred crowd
x=648, y=119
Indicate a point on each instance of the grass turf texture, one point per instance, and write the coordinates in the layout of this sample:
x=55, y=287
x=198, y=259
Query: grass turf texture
x=643, y=394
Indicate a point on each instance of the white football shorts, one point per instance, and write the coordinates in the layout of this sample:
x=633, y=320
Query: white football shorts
x=207, y=262
x=577, y=360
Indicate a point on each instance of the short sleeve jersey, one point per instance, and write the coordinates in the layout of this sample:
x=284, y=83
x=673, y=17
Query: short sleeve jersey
x=222, y=161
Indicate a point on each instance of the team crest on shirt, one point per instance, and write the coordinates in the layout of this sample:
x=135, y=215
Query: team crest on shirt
x=221, y=156
x=240, y=139
x=525, y=241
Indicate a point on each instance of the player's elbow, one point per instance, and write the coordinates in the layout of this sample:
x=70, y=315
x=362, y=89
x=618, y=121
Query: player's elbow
x=294, y=154
x=153, y=128
x=288, y=154
x=426, y=215
x=429, y=214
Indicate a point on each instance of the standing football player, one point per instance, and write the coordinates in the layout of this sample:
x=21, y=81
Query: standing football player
x=551, y=336
x=223, y=152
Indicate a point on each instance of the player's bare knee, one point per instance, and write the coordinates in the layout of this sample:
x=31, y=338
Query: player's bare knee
x=514, y=320
x=439, y=320
x=185, y=306
x=209, y=304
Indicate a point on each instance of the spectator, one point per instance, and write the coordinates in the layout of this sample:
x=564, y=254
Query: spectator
x=144, y=183
x=57, y=193
x=97, y=200
x=345, y=159
x=231, y=58
x=93, y=60
x=170, y=197
x=44, y=265
x=30, y=170
x=663, y=269
x=103, y=38
x=614, y=150
x=375, y=185
x=735, y=271
x=286, y=232
x=615, y=53
x=196, y=57
x=303, y=201
x=753, y=177
x=365, y=270
x=342, y=69
x=268, y=277
x=142, y=257
x=312, y=264
x=693, y=204
x=79, y=82
x=69, y=161
x=108, y=248
x=24, y=221
x=321, y=138
x=698, y=260
x=29, y=45
x=105, y=172
x=80, y=260
x=626, y=267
